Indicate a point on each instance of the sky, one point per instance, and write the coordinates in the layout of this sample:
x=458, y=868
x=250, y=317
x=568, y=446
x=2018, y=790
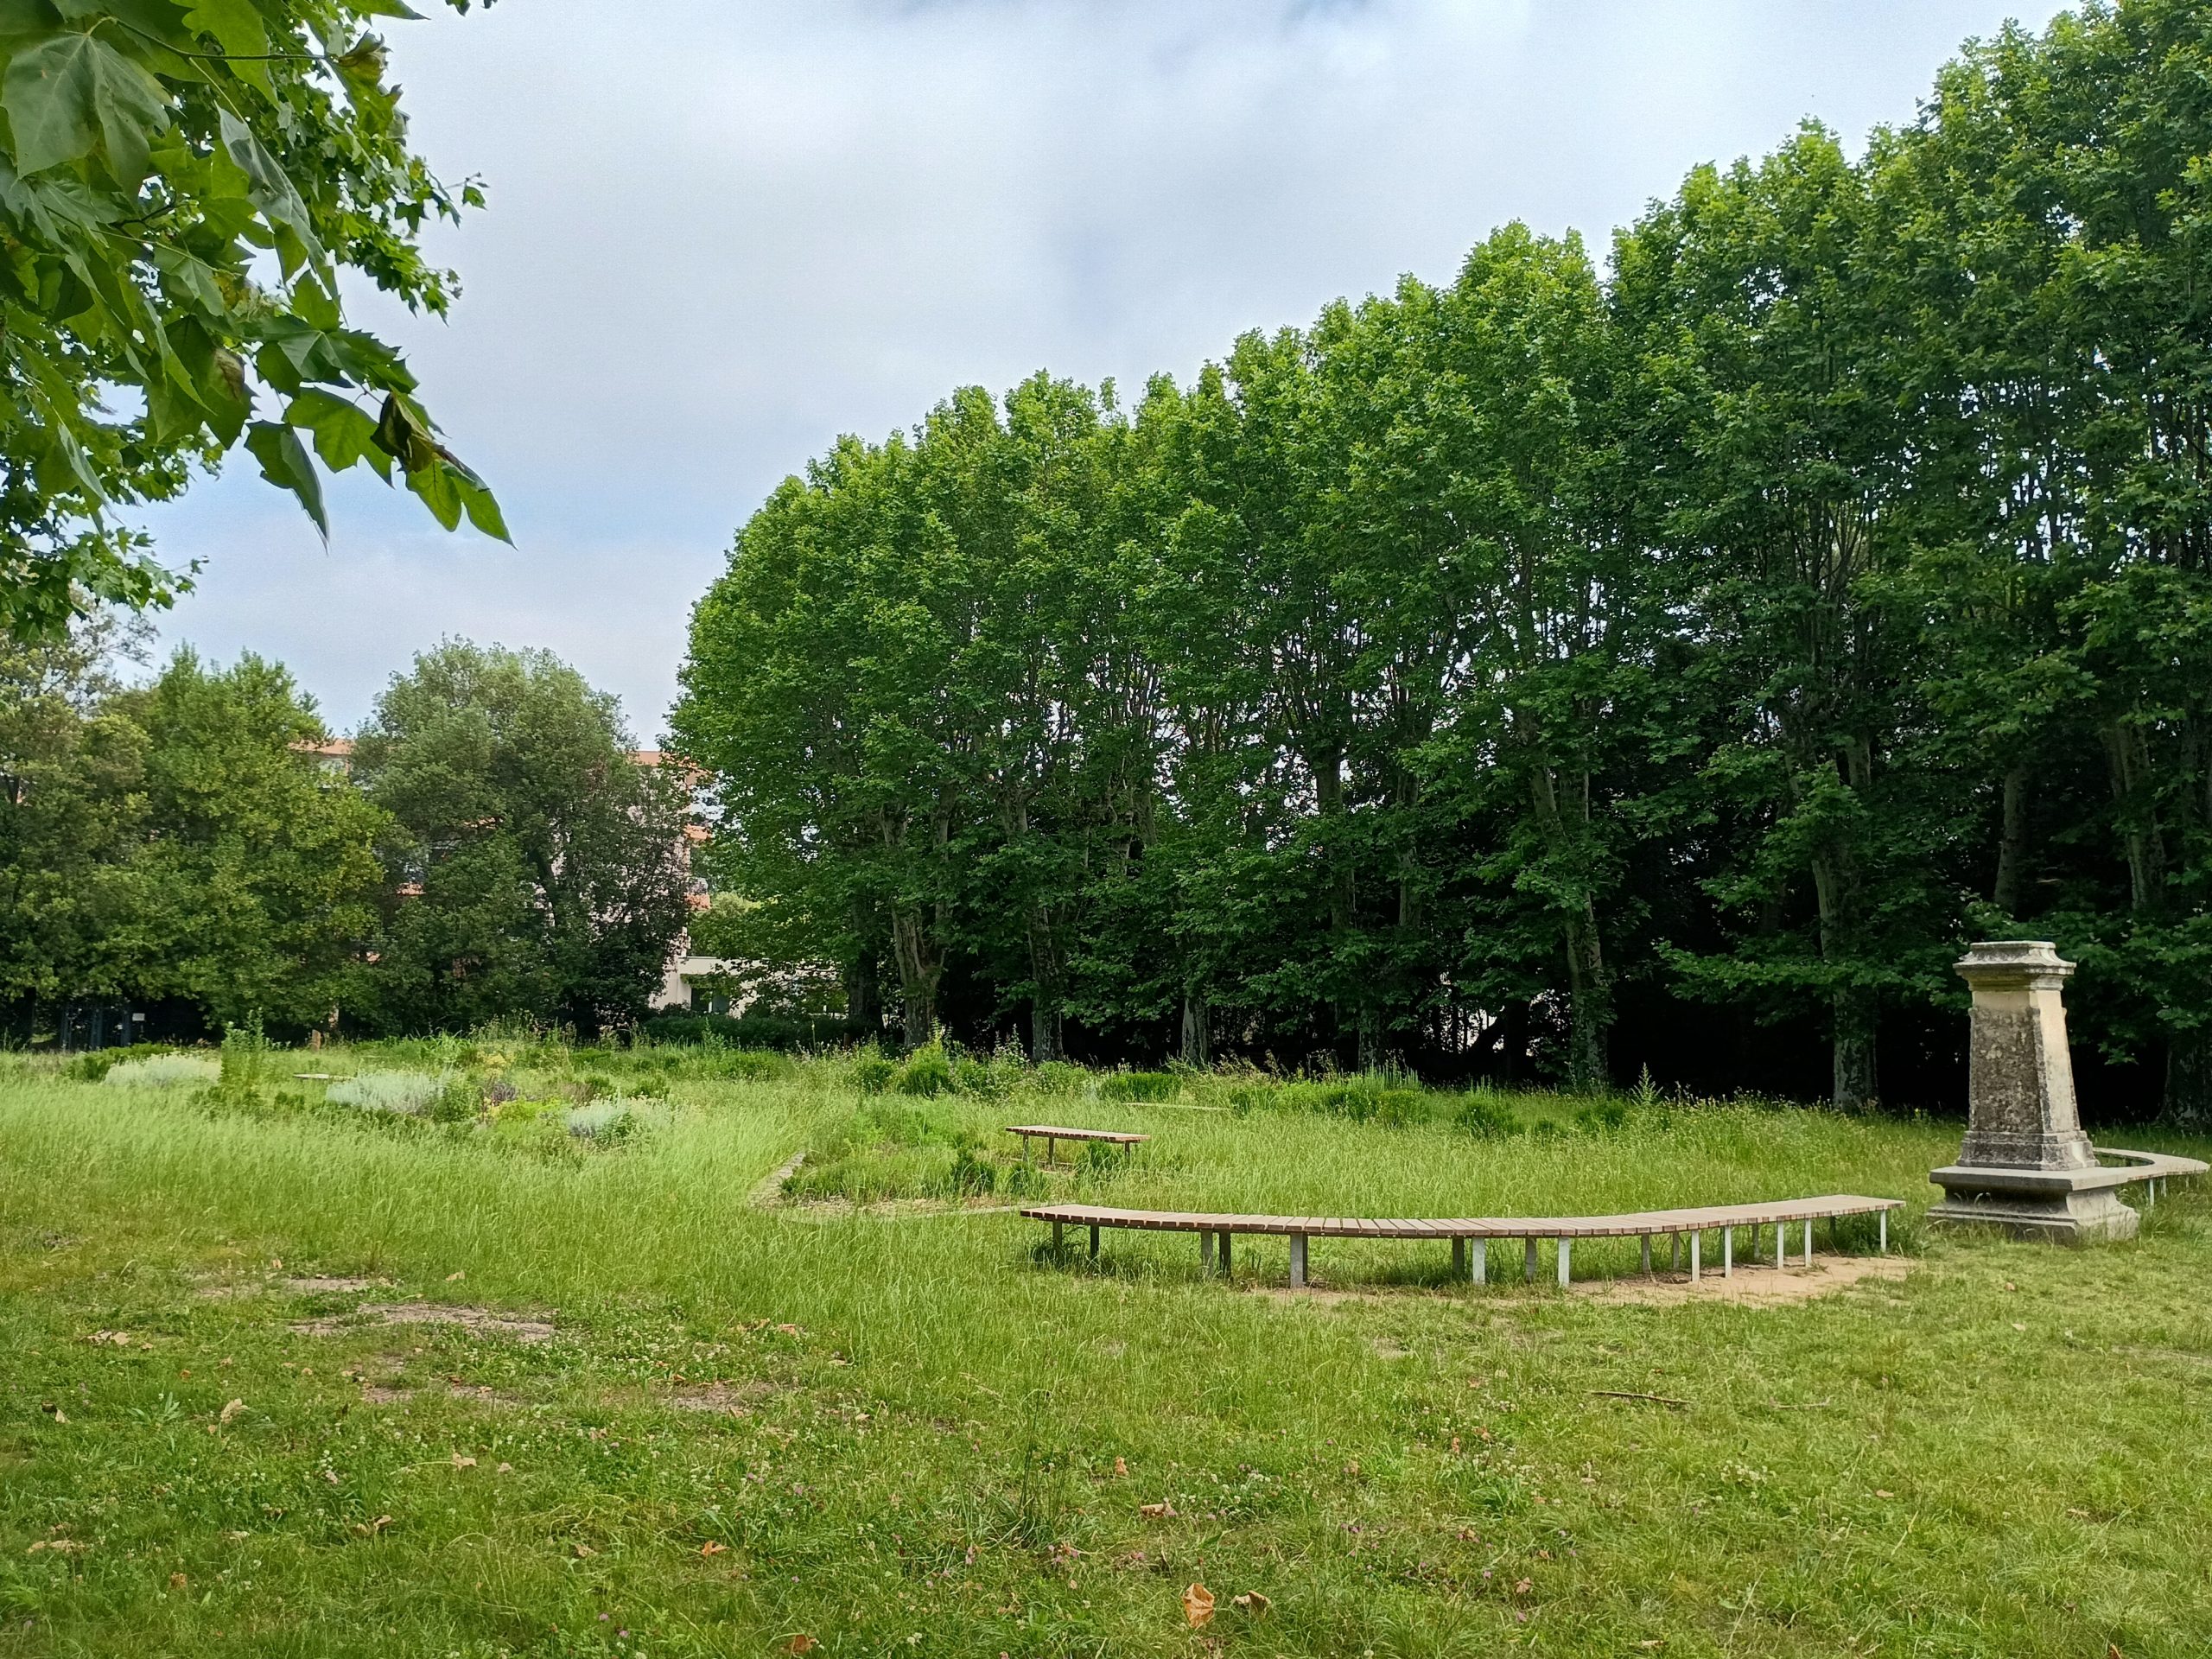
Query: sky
x=718, y=236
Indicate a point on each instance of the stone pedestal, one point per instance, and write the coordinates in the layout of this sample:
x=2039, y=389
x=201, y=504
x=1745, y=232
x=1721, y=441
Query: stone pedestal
x=2026, y=1166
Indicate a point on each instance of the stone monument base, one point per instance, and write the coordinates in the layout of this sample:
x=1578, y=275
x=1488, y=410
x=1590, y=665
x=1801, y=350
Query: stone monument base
x=2066, y=1206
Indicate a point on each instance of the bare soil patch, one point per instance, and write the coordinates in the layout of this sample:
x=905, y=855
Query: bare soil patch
x=327, y=1286
x=1760, y=1286
x=478, y=1321
x=1756, y=1287
x=724, y=1399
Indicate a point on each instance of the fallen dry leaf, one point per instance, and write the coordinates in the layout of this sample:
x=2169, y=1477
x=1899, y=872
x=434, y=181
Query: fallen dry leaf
x=120, y=1338
x=1157, y=1511
x=584, y=1552
x=229, y=1414
x=237, y=1536
x=176, y=1581
x=1197, y=1607
x=1880, y=1492
x=330, y=1475
x=801, y=1644
x=461, y=1462
x=710, y=1548
x=452, y=1277
x=1253, y=1602
x=505, y=1469
x=2019, y=1324
x=1522, y=1586
x=1120, y=1467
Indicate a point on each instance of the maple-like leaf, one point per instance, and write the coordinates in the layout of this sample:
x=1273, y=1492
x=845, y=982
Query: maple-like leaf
x=1197, y=1607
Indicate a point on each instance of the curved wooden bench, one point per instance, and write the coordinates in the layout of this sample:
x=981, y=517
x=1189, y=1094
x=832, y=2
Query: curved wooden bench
x=1471, y=1236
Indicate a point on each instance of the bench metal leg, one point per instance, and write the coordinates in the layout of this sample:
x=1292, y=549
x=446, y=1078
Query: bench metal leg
x=1883, y=1216
x=1206, y=1252
x=1298, y=1261
x=1094, y=1241
x=1695, y=1240
x=1808, y=1243
x=1052, y=1150
x=1224, y=1254
x=1727, y=1252
x=1528, y=1262
x=1479, y=1272
x=1780, y=1255
x=1056, y=1240
x=1647, y=1255
x=1674, y=1252
x=1459, y=1258
x=1565, y=1245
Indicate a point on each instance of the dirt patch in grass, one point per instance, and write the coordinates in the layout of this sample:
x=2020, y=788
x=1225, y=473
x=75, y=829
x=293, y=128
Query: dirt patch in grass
x=1756, y=1287
x=724, y=1399
x=890, y=1209
x=327, y=1286
x=477, y=1321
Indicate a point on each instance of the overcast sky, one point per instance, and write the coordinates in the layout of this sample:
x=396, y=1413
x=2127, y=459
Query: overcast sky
x=719, y=235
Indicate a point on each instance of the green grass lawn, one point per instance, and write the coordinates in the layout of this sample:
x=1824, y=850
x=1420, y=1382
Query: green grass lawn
x=862, y=1409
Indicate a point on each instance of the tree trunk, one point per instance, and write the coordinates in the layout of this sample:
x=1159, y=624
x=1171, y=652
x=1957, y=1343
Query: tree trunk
x=864, y=974
x=1513, y=1039
x=1589, y=993
x=920, y=970
x=1197, y=1029
x=2012, y=843
x=1590, y=1012
x=1044, y=1040
x=2188, y=1104
x=1856, y=1084
x=1854, y=1012
x=1044, y=1015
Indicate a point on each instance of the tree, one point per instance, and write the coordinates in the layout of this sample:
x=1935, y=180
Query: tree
x=540, y=868
x=72, y=812
x=256, y=889
x=174, y=843
x=156, y=155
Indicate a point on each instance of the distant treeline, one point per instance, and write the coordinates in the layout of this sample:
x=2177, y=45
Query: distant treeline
x=197, y=851
x=1673, y=664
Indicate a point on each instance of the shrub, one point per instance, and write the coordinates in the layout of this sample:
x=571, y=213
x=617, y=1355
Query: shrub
x=410, y=1093
x=95, y=1066
x=164, y=1071
x=1484, y=1114
x=1058, y=1077
x=245, y=1054
x=603, y=1121
x=779, y=1032
x=1141, y=1085
x=872, y=1073
x=1603, y=1114
x=970, y=1176
x=928, y=1072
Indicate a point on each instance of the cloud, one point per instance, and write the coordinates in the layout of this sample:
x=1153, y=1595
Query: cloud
x=719, y=236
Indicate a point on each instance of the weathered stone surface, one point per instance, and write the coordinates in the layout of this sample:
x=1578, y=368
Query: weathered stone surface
x=2026, y=1166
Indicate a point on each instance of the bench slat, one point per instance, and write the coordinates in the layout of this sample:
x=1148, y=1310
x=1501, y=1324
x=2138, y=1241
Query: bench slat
x=1614, y=1226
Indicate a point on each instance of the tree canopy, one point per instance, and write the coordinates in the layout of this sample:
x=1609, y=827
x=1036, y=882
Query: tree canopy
x=1668, y=665
x=184, y=184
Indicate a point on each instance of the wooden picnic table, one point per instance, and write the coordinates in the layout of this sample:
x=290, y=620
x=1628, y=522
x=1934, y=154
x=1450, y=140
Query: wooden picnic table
x=1471, y=1235
x=1052, y=1133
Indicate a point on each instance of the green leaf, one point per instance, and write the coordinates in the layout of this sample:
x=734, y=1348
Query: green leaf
x=403, y=435
x=440, y=488
x=344, y=434
x=235, y=26
x=69, y=91
x=388, y=8
x=478, y=502
x=266, y=183
x=284, y=463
